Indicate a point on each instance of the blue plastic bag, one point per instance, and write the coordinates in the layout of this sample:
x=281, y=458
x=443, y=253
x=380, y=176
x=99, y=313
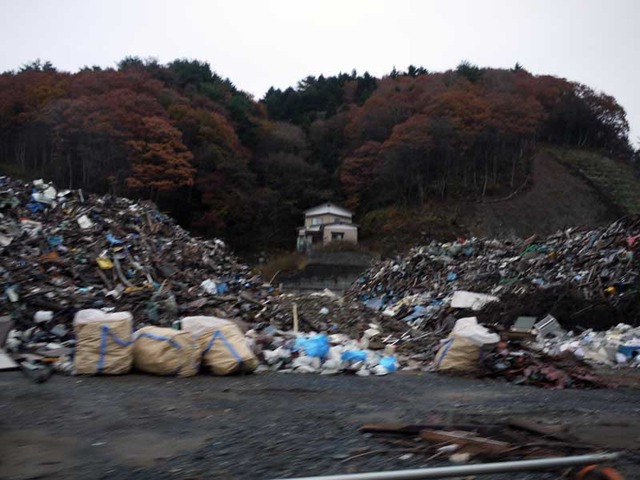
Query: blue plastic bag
x=355, y=355
x=35, y=207
x=55, y=240
x=390, y=363
x=316, y=346
x=113, y=240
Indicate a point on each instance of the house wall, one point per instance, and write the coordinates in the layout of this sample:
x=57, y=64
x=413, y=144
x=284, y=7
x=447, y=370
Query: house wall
x=350, y=233
x=326, y=218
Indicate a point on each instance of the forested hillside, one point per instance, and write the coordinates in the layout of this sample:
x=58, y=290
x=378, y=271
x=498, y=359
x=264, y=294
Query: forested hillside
x=228, y=165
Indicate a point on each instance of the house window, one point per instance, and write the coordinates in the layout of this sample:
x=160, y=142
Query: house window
x=316, y=221
x=337, y=235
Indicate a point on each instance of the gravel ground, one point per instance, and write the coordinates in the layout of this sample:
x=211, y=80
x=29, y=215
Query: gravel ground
x=270, y=425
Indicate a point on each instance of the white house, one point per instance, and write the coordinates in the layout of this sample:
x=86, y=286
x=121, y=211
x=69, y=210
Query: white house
x=324, y=224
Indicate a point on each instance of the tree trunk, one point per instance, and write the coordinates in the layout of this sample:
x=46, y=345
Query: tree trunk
x=486, y=179
x=20, y=152
x=513, y=167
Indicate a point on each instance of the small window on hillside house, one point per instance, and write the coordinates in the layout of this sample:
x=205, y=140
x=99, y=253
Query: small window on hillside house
x=316, y=221
x=337, y=235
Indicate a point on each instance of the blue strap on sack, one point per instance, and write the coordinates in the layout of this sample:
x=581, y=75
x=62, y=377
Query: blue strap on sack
x=220, y=335
x=444, y=352
x=105, y=332
x=160, y=338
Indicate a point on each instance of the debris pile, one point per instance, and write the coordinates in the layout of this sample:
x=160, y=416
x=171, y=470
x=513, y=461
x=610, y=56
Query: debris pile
x=510, y=439
x=580, y=271
x=619, y=345
x=523, y=367
x=287, y=352
x=61, y=251
x=64, y=253
x=595, y=265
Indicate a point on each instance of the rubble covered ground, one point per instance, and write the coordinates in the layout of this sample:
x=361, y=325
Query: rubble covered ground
x=65, y=251
x=275, y=425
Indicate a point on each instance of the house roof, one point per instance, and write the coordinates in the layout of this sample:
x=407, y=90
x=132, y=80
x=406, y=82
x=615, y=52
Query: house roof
x=329, y=208
x=321, y=226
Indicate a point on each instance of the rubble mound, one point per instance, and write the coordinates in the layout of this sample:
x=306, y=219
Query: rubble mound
x=64, y=251
x=61, y=251
x=585, y=277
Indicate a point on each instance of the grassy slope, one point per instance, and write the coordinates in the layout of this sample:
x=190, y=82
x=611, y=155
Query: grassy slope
x=616, y=179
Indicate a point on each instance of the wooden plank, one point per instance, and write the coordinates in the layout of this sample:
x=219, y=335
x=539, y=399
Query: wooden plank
x=557, y=432
x=415, y=429
x=468, y=442
x=401, y=428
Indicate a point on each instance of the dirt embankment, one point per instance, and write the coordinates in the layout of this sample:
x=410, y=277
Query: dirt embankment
x=556, y=198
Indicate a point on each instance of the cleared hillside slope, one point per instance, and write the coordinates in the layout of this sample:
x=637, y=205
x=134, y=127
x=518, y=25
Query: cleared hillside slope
x=566, y=188
x=614, y=178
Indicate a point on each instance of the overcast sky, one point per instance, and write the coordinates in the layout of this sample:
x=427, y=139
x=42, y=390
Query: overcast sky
x=263, y=43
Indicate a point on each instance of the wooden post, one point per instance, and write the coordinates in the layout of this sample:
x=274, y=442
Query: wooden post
x=295, y=318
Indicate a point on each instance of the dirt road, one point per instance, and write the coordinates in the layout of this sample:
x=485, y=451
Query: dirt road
x=268, y=425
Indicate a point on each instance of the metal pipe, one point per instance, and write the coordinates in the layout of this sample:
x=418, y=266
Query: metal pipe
x=479, y=469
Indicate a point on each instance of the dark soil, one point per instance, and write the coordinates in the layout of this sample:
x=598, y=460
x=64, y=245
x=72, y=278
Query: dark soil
x=271, y=425
x=556, y=198
x=568, y=306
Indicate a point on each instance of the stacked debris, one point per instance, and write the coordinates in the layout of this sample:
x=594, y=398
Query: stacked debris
x=618, y=346
x=596, y=265
x=291, y=352
x=575, y=272
x=525, y=443
x=328, y=312
x=63, y=251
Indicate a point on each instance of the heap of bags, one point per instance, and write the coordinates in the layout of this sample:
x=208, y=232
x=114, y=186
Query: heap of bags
x=106, y=344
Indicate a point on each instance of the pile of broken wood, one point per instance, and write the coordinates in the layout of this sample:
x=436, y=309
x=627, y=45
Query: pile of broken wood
x=517, y=438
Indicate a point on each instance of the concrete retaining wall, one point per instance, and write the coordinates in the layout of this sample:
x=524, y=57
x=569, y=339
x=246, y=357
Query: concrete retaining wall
x=333, y=270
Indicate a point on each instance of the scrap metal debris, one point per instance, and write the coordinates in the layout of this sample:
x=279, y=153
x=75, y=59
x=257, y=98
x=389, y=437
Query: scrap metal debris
x=442, y=281
x=597, y=265
x=62, y=252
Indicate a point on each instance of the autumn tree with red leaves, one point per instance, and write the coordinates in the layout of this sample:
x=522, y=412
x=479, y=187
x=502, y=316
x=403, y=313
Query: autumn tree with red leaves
x=226, y=165
x=159, y=160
